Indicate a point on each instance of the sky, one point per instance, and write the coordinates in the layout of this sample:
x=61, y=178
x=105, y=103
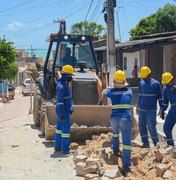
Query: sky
x=28, y=23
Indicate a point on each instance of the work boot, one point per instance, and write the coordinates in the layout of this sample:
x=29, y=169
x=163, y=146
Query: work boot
x=145, y=146
x=126, y=169
x=66, y=152
x=57, y=150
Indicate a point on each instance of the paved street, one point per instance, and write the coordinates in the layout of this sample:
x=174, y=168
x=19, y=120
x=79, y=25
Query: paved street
x=24, y=153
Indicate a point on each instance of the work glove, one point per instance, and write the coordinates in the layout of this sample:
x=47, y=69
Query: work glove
x=62, y=118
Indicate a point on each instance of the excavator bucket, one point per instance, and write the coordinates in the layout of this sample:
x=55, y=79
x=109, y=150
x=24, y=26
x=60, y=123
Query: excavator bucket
x=86, y=120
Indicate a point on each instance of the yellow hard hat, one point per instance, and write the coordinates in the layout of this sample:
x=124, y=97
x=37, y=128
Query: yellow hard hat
x=68, y=69
x=120, y=75
x=144, y=72
x=166, y=77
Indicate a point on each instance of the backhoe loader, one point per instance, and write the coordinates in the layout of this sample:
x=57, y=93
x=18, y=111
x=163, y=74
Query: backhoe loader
x=91, y=111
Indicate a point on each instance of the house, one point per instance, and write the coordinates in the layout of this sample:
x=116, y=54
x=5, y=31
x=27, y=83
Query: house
x=158, y=51
x=24, y=61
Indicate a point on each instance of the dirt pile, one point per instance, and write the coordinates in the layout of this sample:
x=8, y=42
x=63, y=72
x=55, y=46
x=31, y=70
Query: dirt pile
x=95, y=160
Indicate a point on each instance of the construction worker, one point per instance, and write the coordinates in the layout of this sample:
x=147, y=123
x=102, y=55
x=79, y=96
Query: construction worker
x=169, y=96
x=149, y=92
x=63, y=110
x=120, y=118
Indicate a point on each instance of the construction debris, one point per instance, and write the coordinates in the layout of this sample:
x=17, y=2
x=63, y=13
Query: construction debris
x=95, y=160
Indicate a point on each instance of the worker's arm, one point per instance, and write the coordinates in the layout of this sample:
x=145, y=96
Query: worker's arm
x=139, y=99
x=60, y=100
x=159, y=95
x=165, y=100
x=165, y=103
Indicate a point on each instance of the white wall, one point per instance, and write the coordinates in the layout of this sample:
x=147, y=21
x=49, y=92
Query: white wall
x=130, y=62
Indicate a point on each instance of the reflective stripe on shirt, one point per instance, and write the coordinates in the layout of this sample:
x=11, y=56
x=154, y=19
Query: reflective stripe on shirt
x=121, y=106
x=148, y=94
x=60, y=103
x=67, y=97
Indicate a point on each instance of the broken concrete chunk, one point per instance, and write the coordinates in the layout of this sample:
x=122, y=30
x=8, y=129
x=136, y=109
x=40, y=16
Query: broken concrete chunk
x=160, y=169
x=92, y=176
x=144, y=153
x=159, y=154
x=74, y=146
x=80, y=169
x=166, y=159
x=112, y=173
x=134, y=160
x=168, y=175
x=94, y=137
x=92, y=161
x=91, y=169
x=80, y=158
x=74, y=125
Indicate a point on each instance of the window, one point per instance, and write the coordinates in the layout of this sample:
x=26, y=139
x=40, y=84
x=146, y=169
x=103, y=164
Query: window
x=125, y=63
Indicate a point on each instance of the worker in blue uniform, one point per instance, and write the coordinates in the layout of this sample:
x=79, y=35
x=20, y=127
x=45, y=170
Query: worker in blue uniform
x=169, y=97
x=149, y=93
x=68, y=59
x=63, y=110
x=120, y=118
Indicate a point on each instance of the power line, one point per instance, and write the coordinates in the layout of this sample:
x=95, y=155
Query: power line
x=88, y=10
x=13, y=7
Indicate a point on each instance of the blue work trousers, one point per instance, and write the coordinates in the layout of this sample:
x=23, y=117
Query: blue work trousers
x=168, y=126
x=62, y=133
x=147, y=121
x=123, y=124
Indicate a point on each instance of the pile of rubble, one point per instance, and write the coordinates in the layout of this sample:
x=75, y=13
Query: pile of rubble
x=95, y=160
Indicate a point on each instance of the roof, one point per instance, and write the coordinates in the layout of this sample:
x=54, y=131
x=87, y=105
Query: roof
x=148, y=41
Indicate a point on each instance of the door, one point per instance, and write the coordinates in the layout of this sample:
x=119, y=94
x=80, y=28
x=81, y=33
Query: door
x=155, y=62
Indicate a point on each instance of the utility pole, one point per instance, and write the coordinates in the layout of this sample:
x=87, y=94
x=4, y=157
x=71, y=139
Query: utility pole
x=109, y=18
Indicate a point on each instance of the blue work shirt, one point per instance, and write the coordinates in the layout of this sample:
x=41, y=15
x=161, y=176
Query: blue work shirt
x=149, y=92
x=63, y=96
x=68, y=60
x=169, y=96
x=121, y=101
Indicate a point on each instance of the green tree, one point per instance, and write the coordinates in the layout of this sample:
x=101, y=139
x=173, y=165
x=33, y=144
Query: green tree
x=8, y=65
x=164, y=20
x=86, y=28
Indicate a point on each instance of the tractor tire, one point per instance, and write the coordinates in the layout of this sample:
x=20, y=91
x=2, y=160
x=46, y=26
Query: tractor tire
x=42, y=120
x=37, y=107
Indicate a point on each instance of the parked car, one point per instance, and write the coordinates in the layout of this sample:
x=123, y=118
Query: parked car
x=26, y=87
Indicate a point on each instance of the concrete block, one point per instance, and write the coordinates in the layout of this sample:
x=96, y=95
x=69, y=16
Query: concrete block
x=91, y=169
x=80, y=158
x=168, y=175
x=166, y=159
x=80, y=169
x=160, y=169
x=92, y=161
x=92, y=177
x=159, y=154
x=144, y=153
x=74, y=146
x=112, y=173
